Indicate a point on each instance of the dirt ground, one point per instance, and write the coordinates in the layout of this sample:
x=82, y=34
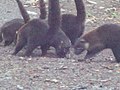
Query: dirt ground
x=49, y=73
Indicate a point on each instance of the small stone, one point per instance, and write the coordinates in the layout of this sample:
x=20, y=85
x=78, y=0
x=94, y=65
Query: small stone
x=21, y=58
x=52, y=81
x=19, y=87
x=101, y=7
x=91, y=2
x=29, y=59
x=32, y=13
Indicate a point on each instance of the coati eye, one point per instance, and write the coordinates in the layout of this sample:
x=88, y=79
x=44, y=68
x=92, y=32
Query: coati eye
x=82, y=40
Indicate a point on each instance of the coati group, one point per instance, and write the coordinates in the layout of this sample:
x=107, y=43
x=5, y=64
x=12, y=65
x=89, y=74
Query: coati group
x=37, y=32
x=60, y=32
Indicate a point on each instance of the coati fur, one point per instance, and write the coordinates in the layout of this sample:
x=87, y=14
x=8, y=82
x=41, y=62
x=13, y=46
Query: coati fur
x=73, y=25
x=37, y=32
x=105, y=36
x=42, y=8
x=9, y=29
x=59, y=40
x=23, y=11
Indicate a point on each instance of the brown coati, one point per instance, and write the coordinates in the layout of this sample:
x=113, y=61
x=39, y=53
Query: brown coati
x=58, y=40
x=38, y=33
x=8, y=30
x=73, y=25
x=42, y=7
x=105, y=36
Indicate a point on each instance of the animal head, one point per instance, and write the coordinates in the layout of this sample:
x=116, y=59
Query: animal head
x=62, y=44
x=63, y=49
x=80, y=45
x=8, y=38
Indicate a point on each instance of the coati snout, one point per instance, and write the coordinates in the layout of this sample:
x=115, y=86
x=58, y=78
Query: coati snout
x=80, y=46
x=61, y=52
x=61, y=43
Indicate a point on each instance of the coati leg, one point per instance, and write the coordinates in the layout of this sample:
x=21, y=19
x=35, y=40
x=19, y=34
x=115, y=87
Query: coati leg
x=1, y=38
x=30, y=49
x=19, y=45
x=44, y=49
x=94, y=50
x=59, y=40
x=116, y=52
x=7, y=43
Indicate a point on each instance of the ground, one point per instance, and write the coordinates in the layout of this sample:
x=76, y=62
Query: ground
x=47, y=73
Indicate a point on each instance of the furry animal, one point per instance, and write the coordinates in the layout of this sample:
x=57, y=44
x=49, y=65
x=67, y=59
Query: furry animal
x=38, y=33
x=9, y=29
x=60, y=41
x=73, y=25
x=105, y=36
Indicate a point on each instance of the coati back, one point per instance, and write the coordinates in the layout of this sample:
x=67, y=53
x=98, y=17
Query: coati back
x=9, y=29
x=37, y=33
x=73, y=25
x=42, y=8
x=105, y=36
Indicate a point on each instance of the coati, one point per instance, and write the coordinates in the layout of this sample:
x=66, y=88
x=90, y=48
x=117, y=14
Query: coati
x=73, y=25
x=8, y=30
x=59, y=40
x=42, y=8
x=105, y=36
x=36, y=32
